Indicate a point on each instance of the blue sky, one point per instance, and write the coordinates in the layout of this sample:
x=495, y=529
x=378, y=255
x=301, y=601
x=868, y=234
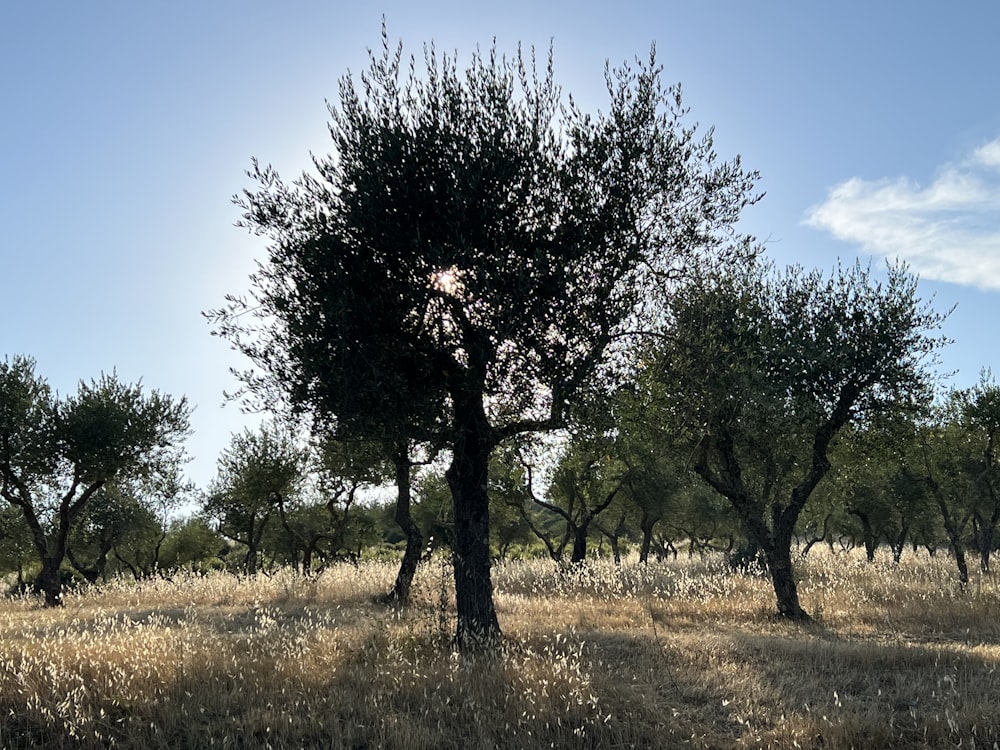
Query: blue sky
x=127, y=127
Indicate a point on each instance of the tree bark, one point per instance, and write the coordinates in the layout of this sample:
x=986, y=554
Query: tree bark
x=51, y=582
x=400, y=593
x=868, y=532
x=579, y=554
x=478, y=628
x=900, y=542
x=646, y=524
x=778, y=554
x=953, y=528
x=986, y=548
x=52, y=551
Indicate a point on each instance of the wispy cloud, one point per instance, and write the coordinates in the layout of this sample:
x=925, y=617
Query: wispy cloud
x=948, y=230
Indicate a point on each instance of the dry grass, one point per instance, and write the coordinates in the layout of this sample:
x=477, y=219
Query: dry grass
x=679, y=654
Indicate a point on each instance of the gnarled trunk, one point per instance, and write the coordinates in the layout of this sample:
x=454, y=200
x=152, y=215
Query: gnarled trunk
x=779, y=566
x=867, y=532
x=50, y=581
x=478, y=627
x=580, y=534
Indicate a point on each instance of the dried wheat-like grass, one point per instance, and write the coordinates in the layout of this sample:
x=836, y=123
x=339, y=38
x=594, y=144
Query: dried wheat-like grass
x=675, y=653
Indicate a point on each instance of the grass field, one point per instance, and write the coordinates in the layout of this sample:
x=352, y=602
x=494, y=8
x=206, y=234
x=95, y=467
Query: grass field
x=679, y=654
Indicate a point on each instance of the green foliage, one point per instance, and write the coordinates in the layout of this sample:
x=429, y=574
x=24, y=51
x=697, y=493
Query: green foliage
x=115, y=522
x=469, y=229
x=56, y=454
x=16, y=548
x=434, y=512
x=256, y=473
x=764, y=371
x=191, y=543
x=954, y=453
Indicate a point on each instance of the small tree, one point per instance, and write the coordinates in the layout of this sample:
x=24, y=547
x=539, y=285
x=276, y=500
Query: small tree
x=586, y=479
x=319, y=520
x=947, y=456
x=256, y=474
x=114, y=521
x=127, y=524
x=981, y=415
x=764, y=371
x=57, y=454
x=191, y=543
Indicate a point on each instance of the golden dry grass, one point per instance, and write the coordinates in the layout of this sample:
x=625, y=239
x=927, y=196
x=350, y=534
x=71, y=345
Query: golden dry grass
x=680, y=654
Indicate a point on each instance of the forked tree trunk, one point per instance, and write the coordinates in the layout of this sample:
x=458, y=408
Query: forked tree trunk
x=478, y=627
x=900, y=542
x=52, y=550
x=954, y=529
x=867, y=532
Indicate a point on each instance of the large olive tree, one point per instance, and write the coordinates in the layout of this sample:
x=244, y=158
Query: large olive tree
x=765, y=370
x=466, y=258
x=56, y=454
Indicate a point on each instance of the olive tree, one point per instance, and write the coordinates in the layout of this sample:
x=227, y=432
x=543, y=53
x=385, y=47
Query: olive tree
x=256, y=474
x=765, y=370
x=56, y=454
x=587, y=475
x=464, y=261
x=318, y=520
x=981, y=415
x=953, y=455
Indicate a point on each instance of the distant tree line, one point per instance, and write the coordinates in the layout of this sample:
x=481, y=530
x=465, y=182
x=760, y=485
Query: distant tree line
x=614, y=484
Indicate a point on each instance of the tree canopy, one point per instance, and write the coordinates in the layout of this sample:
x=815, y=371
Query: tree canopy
x=57, y=453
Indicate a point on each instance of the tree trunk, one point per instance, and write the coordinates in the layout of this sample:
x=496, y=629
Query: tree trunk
x=954, y=528
x=478, y=628
x=51, y=552
x=987, y=535
x=986, y=548
x=646, y=524
x=51, y=582
x=250, y=561
x=400, y=594
x=616, y=549
x=779, y=565
x=868, y=532
x=958, y=549
x=963, y=568
x=900, y=542
x=579, y=544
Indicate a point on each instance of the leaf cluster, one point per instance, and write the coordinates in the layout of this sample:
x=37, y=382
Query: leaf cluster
x=106, y=431
x=471, y=232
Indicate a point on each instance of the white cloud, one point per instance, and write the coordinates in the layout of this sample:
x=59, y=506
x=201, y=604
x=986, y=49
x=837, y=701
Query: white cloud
x=948, y=230
x=989, y=155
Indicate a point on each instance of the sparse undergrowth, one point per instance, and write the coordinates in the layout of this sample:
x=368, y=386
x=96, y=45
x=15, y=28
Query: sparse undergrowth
x=678, y=654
